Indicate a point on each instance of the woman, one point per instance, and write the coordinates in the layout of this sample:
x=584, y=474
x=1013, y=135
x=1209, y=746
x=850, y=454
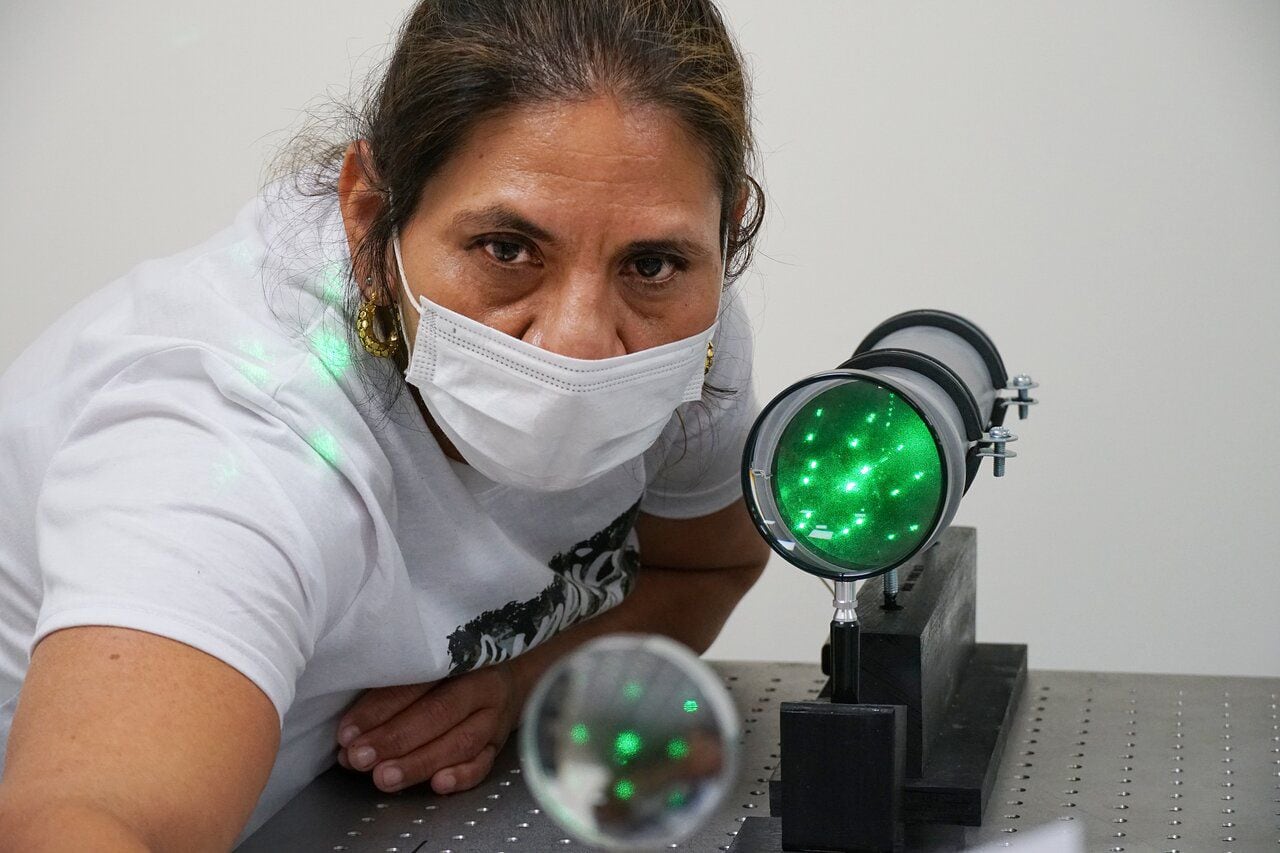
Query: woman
x=409, y=426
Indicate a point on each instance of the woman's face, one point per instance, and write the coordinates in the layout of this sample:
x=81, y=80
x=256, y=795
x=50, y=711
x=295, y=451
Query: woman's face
x=589, y=229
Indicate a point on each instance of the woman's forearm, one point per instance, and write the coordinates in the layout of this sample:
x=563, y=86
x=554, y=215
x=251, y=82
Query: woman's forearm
x=688, y=605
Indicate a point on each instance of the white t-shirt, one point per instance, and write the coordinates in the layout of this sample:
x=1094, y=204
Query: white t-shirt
x=194, y=452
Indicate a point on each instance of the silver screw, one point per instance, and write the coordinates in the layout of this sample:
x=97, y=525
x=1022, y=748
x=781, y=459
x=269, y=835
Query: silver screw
x=891, y=590
x=1023, y=384
x=999, y=435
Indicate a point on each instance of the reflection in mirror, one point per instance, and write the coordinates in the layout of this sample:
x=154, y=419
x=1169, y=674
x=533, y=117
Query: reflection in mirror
x=630, y=743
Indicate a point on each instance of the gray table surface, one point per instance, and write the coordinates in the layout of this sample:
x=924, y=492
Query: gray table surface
x=1141, y=762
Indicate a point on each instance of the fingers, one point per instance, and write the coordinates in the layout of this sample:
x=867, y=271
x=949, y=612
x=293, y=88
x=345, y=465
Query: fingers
x=465, y=776
x=427, y=718
x=462, y=745
x=376, y=707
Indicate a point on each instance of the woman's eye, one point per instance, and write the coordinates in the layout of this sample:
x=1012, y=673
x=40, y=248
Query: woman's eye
x=504, y=251
x=656, y=268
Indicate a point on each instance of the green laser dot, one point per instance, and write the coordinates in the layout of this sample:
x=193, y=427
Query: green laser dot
x=919, y=475
x=579, y=733
x=805, y=480
x=818, y=413
x=675, y=799
x=332, y=352
x=901, y=446
x=691, y=706
x=853, y=442
x=913, y=528
x=860, y=521
x=849, y=487
x=632, y=690
x=891, y=537
x=896, y=492
x=809, y=437
x=813, y=464
x=871, y=418
x=325, y=444
x=627, y=744
x=865, y=469
x=677, y=748
x=625, y=789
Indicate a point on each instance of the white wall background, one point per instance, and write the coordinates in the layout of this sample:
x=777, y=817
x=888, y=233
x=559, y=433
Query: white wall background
x=1096, y=183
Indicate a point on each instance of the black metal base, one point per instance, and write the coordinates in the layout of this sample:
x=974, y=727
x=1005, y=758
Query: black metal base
x=923, y=743
x=958, y=778
x=844, y=776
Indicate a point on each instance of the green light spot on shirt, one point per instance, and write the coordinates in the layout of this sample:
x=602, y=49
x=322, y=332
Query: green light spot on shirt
x=255, y=373
x=691, y=706
x=632, y=690
x=579, y=733
x=332, y=352
x=333, y=283
x=323, y=442
x=627, y=745
x=225, y=472
x=625, y=789
x=677, y=748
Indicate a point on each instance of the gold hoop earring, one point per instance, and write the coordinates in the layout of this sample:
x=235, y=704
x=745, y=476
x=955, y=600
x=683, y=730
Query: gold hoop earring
x=374, y=319
x=711, y=357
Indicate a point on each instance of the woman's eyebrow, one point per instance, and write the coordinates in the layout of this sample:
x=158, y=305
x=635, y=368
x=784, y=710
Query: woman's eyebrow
x=501, y=217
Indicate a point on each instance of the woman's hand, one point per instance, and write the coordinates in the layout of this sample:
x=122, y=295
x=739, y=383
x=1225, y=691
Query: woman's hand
x=448, y=732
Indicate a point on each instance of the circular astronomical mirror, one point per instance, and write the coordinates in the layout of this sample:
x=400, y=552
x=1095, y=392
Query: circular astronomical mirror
x=844, y=475
x=630, y=743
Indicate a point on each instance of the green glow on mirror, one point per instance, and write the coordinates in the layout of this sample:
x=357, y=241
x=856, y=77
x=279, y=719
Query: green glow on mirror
x=861, y=484
x=624, y=789
x=325, y=444
x=579, y=733
x=627, y=745
x=333, y=353
x=691, y=706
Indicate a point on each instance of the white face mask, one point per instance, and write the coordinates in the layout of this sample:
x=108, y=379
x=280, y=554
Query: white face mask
x=527, y=417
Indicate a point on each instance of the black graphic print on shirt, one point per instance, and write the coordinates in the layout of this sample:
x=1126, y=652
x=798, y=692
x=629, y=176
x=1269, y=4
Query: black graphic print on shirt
x=590, y=577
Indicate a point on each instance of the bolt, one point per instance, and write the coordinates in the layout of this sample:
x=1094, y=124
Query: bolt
x=891, y=591
x=1023, y=384
x=999, y=435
